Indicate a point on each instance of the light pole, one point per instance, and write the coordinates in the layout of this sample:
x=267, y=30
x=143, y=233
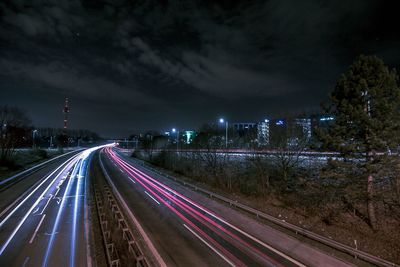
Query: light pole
x=177, y=138
x=221, y=120
x=33, y=138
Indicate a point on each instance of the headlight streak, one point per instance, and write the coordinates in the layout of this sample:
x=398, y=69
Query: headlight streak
x=79, y=164
x=67, y=163
x=80, y=178
x=76, y=175
x=197, y=214
x=60, y=210
x=229, y=255
x=203, y=220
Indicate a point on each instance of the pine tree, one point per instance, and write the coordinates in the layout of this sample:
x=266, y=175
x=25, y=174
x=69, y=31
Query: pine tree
x=366, y=106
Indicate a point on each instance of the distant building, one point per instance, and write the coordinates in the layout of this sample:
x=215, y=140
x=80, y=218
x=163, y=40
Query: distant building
x=242, y=128
x=263, y=133
x=305, y=124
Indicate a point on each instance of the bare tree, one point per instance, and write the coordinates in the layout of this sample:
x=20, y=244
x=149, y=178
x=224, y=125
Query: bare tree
x=14, y=124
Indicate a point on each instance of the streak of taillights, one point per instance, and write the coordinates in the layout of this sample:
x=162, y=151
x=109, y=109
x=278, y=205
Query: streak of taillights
x=196, y=214
x=206, y=221
x=236, y=261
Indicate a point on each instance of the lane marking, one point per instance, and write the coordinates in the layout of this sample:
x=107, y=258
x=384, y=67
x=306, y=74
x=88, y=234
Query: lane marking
x=37, y=229
x=130, y=179
x=45, y=206
x=211, y=247
x=25, y=262
x=152, y=198
x=33, y=212
x=58, y=189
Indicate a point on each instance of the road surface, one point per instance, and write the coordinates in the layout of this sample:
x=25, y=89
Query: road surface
x=189, y=229
x=42, y=215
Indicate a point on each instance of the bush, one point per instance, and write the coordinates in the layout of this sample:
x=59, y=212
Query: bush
x=136, y=154
x=40, y=153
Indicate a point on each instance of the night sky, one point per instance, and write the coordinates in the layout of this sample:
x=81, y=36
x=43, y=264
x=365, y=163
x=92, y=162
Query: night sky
x=129, y=66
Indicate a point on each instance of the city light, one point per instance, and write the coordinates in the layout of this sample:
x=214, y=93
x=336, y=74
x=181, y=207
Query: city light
x=327, y=119
x=221, y=120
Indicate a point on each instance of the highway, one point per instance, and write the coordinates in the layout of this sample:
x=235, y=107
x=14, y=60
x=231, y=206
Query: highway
x=42, y=215
x=44, y=219
x=189, y=229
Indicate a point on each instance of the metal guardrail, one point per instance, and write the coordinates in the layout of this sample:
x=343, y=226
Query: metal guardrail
x=298, y=230
x=109, y=202
x=112, y=254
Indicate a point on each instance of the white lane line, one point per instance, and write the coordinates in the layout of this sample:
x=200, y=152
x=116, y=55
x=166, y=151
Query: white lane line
x=152, y=197
x=37, y=229
x=35, y=210
x=211, y=247
x=25, y=261
x=45, y=206
x=131, y=180
x=58, y=189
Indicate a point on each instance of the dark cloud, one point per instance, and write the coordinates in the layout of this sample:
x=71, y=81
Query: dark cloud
x=135, y=65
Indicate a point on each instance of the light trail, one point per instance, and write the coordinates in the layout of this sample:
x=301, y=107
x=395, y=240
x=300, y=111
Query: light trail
x=55, y=226
x=210, y=224
x=4, y=246
x=34, y=190
x=51, y=185
x=76, y=176
x=204, y=235
x=141, y=174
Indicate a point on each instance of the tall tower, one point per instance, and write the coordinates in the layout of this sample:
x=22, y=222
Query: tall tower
x=65, y=112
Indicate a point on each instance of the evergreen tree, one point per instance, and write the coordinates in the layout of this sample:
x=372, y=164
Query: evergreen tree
x=366, y=106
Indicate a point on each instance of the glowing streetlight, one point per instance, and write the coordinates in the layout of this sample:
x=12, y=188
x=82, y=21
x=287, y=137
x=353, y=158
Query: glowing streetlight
x=174, y=130
x=221, y=120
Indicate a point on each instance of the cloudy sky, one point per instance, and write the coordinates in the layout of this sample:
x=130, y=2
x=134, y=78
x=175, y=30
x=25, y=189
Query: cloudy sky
x=128, y=66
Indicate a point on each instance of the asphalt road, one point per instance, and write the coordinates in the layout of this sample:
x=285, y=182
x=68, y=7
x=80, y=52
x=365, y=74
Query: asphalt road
x=189, y=229
x=42, y=216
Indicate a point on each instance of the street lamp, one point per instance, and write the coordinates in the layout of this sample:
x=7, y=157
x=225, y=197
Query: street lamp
x=177, y=138
x=221, y=120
